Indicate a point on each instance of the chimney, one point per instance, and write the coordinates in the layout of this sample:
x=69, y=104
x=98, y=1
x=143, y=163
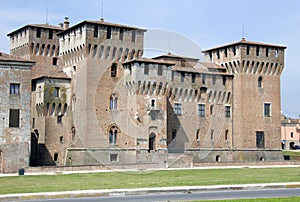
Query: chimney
x=66, y=23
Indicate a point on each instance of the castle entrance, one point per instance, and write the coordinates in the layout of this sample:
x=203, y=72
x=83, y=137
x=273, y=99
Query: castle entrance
x=152, y=144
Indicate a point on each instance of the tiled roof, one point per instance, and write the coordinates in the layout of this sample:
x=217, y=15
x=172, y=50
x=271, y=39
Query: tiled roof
x=100, y=22
x=244, y=41
x=212, y=65
x=148, y=60
x=39, y=71
x=171, y=55
x=201, y=67
x=9, y=57
x=45, y=26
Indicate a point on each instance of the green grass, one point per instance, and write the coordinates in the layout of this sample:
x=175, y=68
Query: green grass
x=291, y=152
x=291, y=199
x=112, y=180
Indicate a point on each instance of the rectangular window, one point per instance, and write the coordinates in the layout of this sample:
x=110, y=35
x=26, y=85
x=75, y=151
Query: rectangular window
x=108, y=33
x=203, y=79
x=214, y=79
x=174, y=132
x=292, y=134
x=159, y=71
x=267, y=109
x=14, y=88
x=54, y=61
x=133, y=36
x=201, y=110
x=257, y=50
x=276, y=52
x=225, y=51
x=59, y=119
x=182, y=76
x=218, y=54
x=224, y=80
x=177, y=108
x=267, y=52
x=121, y=36
x=50, y=34
x=193, y=78
x=248, y=49
x=212, y=134
x=38, y=32
x=95, y=30
x=56, y=92
x=146, y=69
x=14, y=118
x=260, y=139
x=114, y=157
x=234, y=50
x=227, y=111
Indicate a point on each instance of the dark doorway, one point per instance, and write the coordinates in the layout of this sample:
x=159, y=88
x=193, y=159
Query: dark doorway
x=152, y=142
x=292, y=145
x=33, y=150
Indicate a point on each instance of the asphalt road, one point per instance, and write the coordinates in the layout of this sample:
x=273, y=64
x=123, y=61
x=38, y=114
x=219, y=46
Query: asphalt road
x=206, y=195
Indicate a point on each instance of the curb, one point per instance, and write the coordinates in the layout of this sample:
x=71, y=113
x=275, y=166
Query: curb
x=142, y=191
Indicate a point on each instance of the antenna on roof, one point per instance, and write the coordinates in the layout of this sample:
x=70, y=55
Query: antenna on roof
x=102, y=19
x=243, y=33
x=47, y=13
x=169, y=45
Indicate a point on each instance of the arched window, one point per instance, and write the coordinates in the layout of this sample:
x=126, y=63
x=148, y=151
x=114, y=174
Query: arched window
x=114, y=70
x=113, y=132
x=259, y=82
x=113, y=101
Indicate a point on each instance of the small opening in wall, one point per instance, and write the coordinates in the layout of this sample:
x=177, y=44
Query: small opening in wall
x=153, y=103
x=218, y=158
x=54, y=61
x=114, y=157
x=61, y=138
x=262, y=159
x=55, y=158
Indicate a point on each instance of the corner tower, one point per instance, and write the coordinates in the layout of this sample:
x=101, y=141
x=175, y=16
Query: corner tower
x=256, y=97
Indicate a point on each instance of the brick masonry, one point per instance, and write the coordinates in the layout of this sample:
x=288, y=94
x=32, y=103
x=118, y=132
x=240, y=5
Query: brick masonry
x=119, y=108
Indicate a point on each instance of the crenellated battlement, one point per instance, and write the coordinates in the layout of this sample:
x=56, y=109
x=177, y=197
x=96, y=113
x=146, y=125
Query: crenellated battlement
x=178, y=94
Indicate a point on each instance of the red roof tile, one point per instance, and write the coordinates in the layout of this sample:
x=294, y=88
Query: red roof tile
x=48, y=71
x=9, y=57
x=147, y=60
x=45, y=26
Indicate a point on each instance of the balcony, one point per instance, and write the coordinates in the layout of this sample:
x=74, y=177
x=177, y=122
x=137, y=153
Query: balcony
x=153, y=108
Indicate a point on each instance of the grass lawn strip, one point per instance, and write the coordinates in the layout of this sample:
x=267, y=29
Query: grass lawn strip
x=166, y=178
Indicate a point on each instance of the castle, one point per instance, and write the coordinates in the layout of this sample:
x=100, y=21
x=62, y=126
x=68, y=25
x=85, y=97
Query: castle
x=95, y=100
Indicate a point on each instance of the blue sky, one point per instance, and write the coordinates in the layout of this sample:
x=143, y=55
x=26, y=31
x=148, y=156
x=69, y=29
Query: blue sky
x=207, y=23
